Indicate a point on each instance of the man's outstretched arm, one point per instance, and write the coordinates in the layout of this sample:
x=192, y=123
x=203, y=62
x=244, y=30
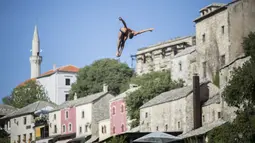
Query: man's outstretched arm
x=142, y=31
x=124, y=23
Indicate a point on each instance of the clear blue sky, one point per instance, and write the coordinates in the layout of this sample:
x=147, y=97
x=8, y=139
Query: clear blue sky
x=78, y=32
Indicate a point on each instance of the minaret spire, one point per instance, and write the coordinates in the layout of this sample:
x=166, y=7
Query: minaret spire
x=35, y=58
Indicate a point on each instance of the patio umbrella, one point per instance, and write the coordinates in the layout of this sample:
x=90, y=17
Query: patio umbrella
x=157, y=137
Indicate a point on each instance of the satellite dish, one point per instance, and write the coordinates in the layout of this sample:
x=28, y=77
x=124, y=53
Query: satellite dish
x=41, y=50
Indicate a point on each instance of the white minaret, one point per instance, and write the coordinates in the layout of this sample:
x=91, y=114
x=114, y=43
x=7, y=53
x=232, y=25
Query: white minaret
x=35, y=59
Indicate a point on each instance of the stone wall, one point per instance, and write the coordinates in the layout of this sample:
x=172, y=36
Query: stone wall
x=183, y=66
x=212, y=43
x=241, y=23
x=211, y=113
x=158, y=57
x=100, y=111
x=168, y=116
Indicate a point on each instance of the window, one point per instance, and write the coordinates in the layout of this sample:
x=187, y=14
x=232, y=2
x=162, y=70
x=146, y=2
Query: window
x=204, y=69
x=30, y=136
x=113, y=130
x=9, y=124
x=66, y=114
x=104, y=129
x=175, y=50
x=180, y=66
x=80, y=129
x=203, y=37
x=82, y=114
x=55, y=116
x=146, y=114
x=67, y=95
x=157, y=128
x=144, y=59
x=222, y=29
x=166, y=127
x=222, y=60
x=25, y=120
x=122, y=128
x=86, y=128
x=55, y=128
x=203, y=118
x=122, y=108
x=219, y=115
x=64, y=129
x=24, y=137
x=113, y=110
x=18, y=138
x=70, y=127
x=67, y=81
x=179, y=125
x=163, y=53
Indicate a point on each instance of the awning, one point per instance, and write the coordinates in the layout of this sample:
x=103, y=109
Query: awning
x=43, y=140
x=81, y=139
x=64, y=137
x=92, y=139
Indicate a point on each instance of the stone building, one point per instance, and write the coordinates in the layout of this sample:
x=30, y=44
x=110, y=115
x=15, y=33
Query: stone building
x=5, y=123
x=78, y=119
x=219, y=32
x=184, y=65
x=173, y=110
x=158, y=57
x=22, y=121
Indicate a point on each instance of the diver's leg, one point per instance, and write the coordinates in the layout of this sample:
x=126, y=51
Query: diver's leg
x=122, y=46
x=119, y=43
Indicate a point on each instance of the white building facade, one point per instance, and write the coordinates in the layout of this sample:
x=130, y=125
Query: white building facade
x=55, y=123
x=57, y=82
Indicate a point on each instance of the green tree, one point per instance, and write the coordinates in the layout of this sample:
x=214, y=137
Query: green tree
x=26, y=94
x=240, y=93
x=4, y=136
x=90, y=79
x=152, y=84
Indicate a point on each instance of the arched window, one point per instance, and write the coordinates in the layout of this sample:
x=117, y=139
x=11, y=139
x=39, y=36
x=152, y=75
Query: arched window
x=82, y=114
x=122, y=108
x=70, y=127
x=113, y=110
x=102, y=128
x=64, y=128
x=122, y=128
x=113, y=130
x=166, y=127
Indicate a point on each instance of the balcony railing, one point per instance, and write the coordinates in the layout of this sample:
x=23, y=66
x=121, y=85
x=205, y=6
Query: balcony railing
x=41, y=120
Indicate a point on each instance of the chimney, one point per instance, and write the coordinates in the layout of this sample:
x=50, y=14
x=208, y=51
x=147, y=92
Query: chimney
x=75, y=96
x=54, y=67
x=197, y=111
x=105, y=88
x=132, y=86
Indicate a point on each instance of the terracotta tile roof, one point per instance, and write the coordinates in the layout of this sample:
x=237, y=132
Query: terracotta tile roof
x=68, y=68
x=23, y=83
